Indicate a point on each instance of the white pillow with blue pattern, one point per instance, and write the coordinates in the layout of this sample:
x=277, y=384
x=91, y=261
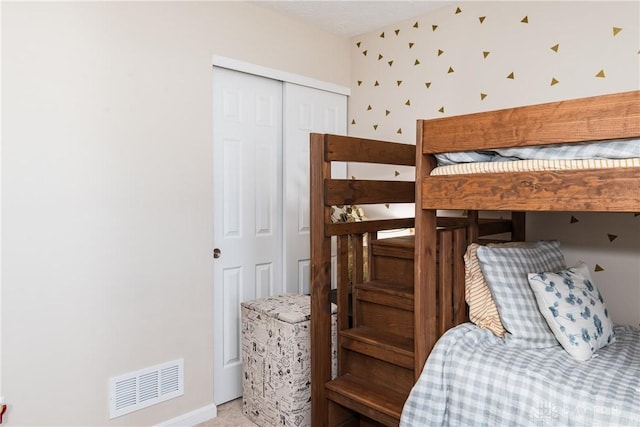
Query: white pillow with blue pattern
x=574, y=309
x=505, y=270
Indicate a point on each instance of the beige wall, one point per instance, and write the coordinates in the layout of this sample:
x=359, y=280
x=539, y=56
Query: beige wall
x=450, y=59
x=107, y=192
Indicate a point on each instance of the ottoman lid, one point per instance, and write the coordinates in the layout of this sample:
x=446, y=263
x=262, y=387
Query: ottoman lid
x=290, y=308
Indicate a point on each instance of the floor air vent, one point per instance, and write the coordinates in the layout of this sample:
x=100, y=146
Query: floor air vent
x=145, y=387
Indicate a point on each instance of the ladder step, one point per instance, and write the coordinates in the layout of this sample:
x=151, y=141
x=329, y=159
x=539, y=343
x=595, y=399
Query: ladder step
x=390, y=294
x=381, y=404
x=379, y=344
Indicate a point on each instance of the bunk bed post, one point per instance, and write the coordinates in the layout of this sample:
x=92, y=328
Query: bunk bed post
x=472, y=217
x=320, y=284
x=518, y=233
x=425, y=293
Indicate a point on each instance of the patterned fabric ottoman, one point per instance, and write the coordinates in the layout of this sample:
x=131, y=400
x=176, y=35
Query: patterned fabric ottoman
x=276, y=360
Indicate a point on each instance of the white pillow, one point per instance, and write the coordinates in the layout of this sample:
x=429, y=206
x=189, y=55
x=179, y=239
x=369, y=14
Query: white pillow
x=574, y=310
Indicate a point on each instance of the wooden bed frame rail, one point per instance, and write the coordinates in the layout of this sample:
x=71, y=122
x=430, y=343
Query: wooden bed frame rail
x=605, y=117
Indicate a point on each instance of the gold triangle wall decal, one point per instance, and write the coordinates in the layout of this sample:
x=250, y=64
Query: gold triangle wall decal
x=555, y=47
x=485, y=53
x=616, y=30
x=600, y=74
x=525, y=20
x=482, y=18
x=483, y=96
x=511, y=75
x=554, y=81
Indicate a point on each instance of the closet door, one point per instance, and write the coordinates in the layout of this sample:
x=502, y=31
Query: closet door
x=247, y=223
x=305, y=110
x=261, y=199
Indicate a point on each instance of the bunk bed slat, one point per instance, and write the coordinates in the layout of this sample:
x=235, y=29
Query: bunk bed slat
x=445, y=271
x=586, y=119
x=344, y=148
x=536, y=191
x=353, y=191
x=460, y=242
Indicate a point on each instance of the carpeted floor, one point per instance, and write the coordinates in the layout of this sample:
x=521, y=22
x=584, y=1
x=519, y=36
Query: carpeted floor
x=229, y=415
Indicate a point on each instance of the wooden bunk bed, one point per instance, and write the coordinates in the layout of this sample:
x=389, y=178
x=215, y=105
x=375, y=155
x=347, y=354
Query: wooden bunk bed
x=599, y=118
x=437, y=288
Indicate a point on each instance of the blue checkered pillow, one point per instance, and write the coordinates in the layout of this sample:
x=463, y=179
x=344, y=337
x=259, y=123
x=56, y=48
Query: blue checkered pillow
x=505, y=270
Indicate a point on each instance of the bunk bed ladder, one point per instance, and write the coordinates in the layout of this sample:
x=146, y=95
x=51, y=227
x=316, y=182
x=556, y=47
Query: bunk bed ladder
x=379, y=305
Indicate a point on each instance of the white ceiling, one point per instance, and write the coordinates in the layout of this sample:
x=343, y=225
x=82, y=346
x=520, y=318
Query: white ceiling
x=348, y=18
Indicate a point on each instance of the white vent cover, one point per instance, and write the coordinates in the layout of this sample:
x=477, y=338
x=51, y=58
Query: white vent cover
x=145, y=387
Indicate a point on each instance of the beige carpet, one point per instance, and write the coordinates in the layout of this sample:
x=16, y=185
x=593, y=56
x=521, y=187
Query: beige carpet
x=229, y=415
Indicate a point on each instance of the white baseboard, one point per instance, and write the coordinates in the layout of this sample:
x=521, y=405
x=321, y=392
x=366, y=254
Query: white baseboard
x=192, y=418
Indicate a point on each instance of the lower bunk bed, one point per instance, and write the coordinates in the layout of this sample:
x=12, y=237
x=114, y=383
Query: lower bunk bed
x=554, y=357
x=473, y=379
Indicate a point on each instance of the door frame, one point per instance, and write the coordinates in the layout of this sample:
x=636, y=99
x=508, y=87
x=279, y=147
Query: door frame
x=272, y=73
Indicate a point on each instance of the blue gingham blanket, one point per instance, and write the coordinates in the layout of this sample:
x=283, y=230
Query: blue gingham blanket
x=613, y=149
x=472, y=379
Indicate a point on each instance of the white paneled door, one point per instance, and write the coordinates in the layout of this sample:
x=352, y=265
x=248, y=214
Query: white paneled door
x=261, y=199
x=305, y=110
x=247, y=197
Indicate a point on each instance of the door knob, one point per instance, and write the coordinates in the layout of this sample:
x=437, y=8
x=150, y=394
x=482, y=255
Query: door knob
x=217, y=253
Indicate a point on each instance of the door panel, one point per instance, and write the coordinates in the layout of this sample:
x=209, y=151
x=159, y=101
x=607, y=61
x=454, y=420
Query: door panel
x=247, y=198
x=305, y=110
